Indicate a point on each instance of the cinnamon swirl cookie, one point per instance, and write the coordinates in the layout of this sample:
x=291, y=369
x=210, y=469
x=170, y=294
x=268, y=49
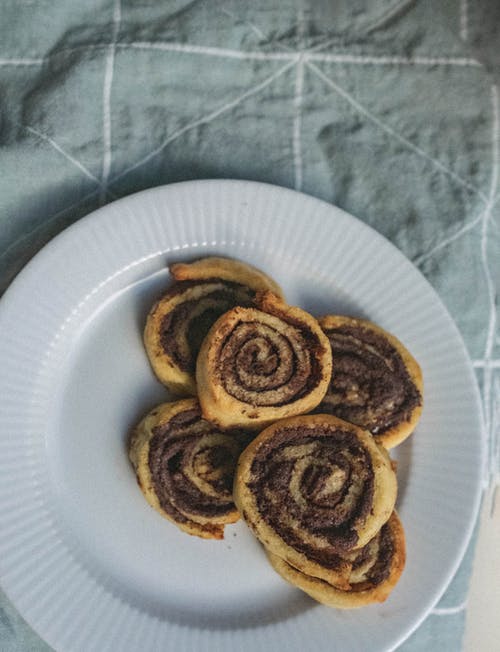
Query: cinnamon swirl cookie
x=375, y=570
x=376, y=383
x=179, y=321
x=314, y=488
x=260, y=364
x=185, y=467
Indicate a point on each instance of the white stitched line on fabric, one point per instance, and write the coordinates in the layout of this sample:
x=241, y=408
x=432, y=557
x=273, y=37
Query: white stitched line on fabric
x=449, y=611
x=209, y=51
x=481, y=364
x=297, y=124
x=464, y=20
x=290, y=55
x=208, y=118
x=297, y=103
x=44, y=224
x=286, y=55
x=390, y=131
x=487, y=216
x=490, y=286
x=444, y=243
x=394, y=60
x=106, y=101
x=61, y=151
x=21, y=62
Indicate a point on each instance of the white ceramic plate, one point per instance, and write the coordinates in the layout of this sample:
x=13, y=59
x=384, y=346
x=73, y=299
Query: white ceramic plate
x=83, y=557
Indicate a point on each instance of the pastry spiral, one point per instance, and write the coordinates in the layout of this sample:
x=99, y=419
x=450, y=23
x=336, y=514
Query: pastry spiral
x=178, y=322
x=257, y=365
x=185, y=467
x=375, y=570
x=376, y=383
x=312, y=489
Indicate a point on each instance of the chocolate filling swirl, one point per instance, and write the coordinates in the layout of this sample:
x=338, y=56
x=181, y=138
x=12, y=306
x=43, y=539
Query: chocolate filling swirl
x=185, y=327
x=312, y=487
x=192, y=466
x=371, y=565
x=370, y=385
x=270, y=362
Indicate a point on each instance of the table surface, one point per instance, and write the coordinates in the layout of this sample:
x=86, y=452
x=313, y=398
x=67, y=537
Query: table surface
x=483, y=603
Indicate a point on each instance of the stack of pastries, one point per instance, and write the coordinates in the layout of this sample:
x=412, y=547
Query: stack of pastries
x=288, y=424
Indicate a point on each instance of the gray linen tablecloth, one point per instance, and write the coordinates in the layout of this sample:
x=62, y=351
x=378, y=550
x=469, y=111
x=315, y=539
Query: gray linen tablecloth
x=389, y=109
